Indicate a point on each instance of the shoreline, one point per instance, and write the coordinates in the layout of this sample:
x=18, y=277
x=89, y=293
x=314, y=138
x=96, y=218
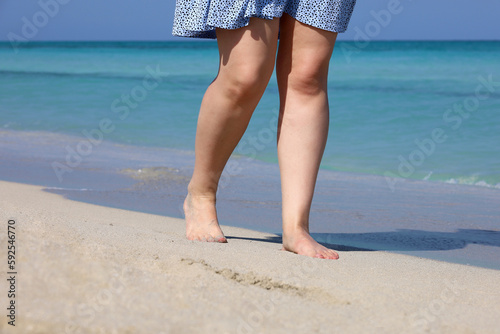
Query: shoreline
x=82, y=264
x=68, y=158
x=440, y=221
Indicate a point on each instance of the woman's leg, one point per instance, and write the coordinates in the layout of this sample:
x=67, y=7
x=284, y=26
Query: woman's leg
x=302, y=69
x=247, y=57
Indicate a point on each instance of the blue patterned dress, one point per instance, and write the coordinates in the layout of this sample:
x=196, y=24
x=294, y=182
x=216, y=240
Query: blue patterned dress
x=199, y=18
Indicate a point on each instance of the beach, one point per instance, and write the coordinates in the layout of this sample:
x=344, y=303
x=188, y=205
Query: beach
x=96, y=147
x=84, y=268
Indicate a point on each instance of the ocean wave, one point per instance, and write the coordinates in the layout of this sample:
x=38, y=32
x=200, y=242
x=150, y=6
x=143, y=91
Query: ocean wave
x=67, y=189
x=100, y=75
x=472, y=181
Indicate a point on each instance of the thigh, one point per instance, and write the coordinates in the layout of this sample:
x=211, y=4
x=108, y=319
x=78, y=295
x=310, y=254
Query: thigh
x=250, y=50
x=304, y=50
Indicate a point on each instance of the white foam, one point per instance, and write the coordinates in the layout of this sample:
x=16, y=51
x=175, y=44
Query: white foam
x=472, y=181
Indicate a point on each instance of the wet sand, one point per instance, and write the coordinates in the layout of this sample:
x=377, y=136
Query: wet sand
x=84, y=268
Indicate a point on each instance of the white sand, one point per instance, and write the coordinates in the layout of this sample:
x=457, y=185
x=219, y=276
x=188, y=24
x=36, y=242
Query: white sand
x=84, y=268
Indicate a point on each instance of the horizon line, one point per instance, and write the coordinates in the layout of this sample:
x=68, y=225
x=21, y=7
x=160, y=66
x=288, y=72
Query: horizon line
x=183, y=39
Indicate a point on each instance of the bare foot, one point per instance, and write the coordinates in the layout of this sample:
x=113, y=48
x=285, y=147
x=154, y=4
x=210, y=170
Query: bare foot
x=302, y=243
x=201, y=219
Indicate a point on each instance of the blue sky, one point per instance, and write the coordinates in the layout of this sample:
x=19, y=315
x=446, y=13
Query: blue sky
x=152, y=20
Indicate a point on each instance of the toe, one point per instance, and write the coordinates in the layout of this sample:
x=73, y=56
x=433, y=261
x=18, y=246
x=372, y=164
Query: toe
x=332, y=255
x=326, y=254
x=221, y=239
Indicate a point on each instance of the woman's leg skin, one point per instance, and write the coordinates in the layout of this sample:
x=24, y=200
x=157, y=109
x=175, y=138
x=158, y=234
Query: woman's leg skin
x=247, y=57
x=302, y=69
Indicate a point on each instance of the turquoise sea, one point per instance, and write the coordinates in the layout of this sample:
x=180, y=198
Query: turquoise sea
x=386, y=100
x=412, y=123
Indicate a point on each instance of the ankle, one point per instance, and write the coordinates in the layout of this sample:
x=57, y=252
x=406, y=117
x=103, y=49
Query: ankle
x=201, y=193
x=293, y=231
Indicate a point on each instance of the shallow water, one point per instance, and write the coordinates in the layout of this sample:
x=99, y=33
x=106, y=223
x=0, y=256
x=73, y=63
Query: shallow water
x=406, y=109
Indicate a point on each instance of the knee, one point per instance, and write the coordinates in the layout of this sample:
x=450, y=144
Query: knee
x=309, y=80
x=246, y=82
